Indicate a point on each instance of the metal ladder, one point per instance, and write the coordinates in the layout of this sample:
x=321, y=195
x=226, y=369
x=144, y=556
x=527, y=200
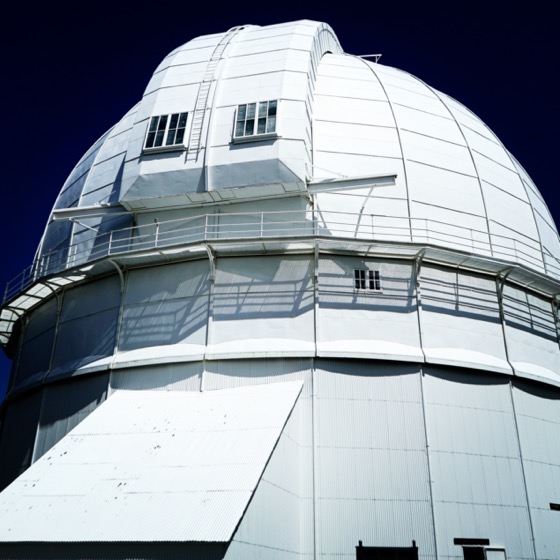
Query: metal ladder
x=204, y=93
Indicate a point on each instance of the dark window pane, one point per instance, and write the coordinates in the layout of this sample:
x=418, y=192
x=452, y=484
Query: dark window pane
x=272, y=108
x=251, y=110
x=271, y=125
x=239, y=128
x=174, y=120
x=263, y=106
x=183, y=120
x=261, y=128
x=150, y=140
x=159, y=138
x=153, y=124
x=180, y=136
x=170, y=138
x=241, y=112
x=162, y=122
x=249, y=127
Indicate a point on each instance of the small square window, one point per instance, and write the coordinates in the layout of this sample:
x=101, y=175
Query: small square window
x=256, y=119
x=367, y=280
x=166, y=131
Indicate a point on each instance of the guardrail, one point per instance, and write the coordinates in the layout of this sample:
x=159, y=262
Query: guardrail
x=91, y=245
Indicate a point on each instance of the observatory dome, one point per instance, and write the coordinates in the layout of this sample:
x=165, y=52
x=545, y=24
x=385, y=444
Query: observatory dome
x=337, y=118
x=295, y=304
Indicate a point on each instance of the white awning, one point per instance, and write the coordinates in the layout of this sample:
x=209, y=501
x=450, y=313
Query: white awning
x=151, y=466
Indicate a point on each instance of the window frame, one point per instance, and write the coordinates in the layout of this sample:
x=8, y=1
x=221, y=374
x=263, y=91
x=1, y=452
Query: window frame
x=256, y=136
x=367, y=280
x=178, y=128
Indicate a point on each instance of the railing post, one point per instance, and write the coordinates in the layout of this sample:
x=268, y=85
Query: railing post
x=205, y=227
x=110, y=242
x=262, y=224
x=157, y=232
x=314, y=221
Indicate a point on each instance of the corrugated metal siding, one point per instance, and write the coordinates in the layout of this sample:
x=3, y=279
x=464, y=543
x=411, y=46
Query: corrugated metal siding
x=461, y=319
x=166, y=305
x=259, y=298
x=538, y=420
x=384, y=316
x=164, y=377
x=88, y=325
x=225, y=374
x=478, y=486
x=270, y=532
x=258, y=275
x=65, y=405
x=175, y=321
x=38, y=339
x=173, y=281
x=242, y=373
x=288, y=477
x=372, y=470
x=531, y=332
x=151, y=466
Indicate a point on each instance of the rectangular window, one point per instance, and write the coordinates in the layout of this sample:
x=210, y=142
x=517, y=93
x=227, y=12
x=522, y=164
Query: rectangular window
x=367, y=280
x=166, y=131
x=256, y=119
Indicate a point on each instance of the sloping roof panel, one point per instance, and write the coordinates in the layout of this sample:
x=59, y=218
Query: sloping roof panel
x=151, y=466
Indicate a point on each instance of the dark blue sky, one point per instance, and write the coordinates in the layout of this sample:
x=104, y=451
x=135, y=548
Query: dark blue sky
x=70, y=74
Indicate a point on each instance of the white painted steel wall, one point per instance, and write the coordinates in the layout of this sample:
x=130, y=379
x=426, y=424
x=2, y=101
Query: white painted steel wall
x=376, y=451
x=87, y=325
x=413, y=422
x=461, y=322
x=367, y=324
x=262, y=307
x=165, y=306
x=538, y=421
x=528, y=315
x=372, y=471
x=274, y=306
x=478, y=481
x=64, y=406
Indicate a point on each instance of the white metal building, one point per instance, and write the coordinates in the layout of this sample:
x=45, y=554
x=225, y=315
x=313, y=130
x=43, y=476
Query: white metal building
x=295, y=304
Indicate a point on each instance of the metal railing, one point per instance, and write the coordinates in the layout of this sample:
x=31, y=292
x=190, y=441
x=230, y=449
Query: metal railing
x=93, y=245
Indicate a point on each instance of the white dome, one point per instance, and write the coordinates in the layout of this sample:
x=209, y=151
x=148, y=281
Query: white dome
x=339, y=116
